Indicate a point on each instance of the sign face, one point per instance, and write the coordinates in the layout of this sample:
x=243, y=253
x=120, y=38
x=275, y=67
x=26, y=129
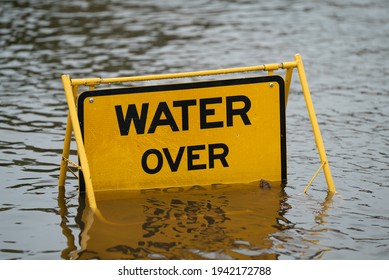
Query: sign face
x=200, y=133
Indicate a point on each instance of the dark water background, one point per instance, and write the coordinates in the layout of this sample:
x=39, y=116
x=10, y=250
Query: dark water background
x=345, y=48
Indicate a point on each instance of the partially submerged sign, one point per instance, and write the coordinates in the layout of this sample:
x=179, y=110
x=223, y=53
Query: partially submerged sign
x=200, y=133
x=180, y=135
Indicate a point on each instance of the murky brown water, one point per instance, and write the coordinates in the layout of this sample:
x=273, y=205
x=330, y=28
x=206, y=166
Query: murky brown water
x=345, y=50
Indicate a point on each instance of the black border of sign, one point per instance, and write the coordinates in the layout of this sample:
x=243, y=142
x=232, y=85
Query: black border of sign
x=193, y=85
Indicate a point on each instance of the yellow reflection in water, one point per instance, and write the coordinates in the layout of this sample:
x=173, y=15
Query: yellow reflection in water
x=212, y=222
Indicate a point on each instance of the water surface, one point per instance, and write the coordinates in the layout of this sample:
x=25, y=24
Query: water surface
x=345, y=50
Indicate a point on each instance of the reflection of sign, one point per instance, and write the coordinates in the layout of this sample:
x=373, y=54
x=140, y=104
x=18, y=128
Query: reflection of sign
x=226, y=131
x=213, y=222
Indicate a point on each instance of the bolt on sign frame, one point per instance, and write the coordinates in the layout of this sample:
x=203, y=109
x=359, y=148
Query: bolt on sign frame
x=71, y=87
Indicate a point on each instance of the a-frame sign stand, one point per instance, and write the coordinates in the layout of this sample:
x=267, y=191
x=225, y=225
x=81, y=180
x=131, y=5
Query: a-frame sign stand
x=71, y=87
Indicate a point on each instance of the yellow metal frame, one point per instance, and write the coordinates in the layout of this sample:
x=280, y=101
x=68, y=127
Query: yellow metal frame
x=71, y=91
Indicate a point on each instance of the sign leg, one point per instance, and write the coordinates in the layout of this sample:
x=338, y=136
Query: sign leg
x=80, y=144
x=315, y=125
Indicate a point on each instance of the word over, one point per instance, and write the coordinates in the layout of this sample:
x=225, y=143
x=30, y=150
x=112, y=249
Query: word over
x=218, y=151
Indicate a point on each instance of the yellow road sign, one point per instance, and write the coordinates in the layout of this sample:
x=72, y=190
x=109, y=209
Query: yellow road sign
x=200, y=133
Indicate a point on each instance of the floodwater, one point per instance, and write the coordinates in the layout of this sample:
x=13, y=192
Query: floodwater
x=345, y=49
